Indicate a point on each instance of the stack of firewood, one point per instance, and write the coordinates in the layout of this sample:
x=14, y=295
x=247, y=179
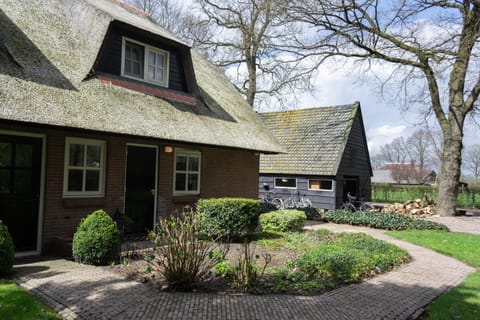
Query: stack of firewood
x=418, y=208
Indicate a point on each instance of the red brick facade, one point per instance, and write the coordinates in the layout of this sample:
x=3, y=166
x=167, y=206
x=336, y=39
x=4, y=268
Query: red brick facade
x=224, y=172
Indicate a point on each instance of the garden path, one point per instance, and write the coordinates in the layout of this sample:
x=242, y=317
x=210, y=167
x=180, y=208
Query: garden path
x=85, y=292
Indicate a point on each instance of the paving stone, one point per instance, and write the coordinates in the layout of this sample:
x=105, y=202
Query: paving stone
x=85, y=292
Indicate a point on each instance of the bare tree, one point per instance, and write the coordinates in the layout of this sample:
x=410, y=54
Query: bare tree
x=394, y=152
x=426, y=42
x=420, y=148
x=471, y=157
x=250, y=40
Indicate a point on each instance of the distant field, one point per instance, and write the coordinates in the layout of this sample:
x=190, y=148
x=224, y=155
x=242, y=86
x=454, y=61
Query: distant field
x=388, y=193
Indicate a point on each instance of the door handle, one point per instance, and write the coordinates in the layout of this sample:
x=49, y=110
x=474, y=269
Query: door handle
x=152, y=191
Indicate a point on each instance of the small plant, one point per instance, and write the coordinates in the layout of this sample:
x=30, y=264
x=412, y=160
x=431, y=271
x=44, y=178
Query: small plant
x=180, y=256
x=283, y=221
x=97, y=240
x=245, y=273
x=381, y=220
x=267, y=207
x=7, y=253
x=227, y=218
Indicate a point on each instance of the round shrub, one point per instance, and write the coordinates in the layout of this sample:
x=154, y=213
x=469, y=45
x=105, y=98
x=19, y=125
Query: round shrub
x=97, y=240
x=227, y=218
x=283, y=220
x=7, y=255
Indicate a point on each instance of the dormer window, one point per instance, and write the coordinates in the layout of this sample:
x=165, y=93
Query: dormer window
x=143, y=62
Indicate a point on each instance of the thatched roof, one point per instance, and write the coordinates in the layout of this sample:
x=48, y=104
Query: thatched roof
x=47, y=50
x=315, y=139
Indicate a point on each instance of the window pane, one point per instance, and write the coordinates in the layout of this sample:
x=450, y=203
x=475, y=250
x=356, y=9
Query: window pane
x=128, y=66
x=75, y=178
x=136, y=54
x=193, y=163
x=4, y=181
x=23, y=155
x=136, y=69
x=159, y=74
x=180, y=179
x=76, y=155
x=285, y=183
x=22, y=182
x=151, y=73
x=128, y=54
x=92, y=180
x=151, y=58
x=160, y=60
x=181, y=163
x=94, y=156
x=192, y=182
x=5, y=154
x=314, y=184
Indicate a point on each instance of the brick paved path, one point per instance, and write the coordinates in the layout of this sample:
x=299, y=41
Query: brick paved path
x=84, y=292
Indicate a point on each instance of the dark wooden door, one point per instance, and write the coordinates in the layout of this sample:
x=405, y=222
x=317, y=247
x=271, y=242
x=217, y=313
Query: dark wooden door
x=20, y=172
x=140, y=188
x=350, y=185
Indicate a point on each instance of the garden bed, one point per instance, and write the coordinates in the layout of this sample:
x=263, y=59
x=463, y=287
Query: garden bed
x=303, y=263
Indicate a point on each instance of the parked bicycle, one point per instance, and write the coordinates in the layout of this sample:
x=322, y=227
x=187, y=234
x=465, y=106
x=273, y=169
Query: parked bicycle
x=297, y=201
x=270, y=198
x=356, y=205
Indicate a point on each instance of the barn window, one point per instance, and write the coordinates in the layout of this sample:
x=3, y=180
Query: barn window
x=320, y=184
x=289, y=183
x=144, y=62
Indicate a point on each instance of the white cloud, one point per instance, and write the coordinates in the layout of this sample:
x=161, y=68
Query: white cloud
x=382, y=135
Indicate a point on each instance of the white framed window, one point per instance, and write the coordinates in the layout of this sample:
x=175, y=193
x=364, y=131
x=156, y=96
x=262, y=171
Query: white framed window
x=143, y=62
x=287, y=183
x=186, y=178
x=84, y=174
x=320, y=184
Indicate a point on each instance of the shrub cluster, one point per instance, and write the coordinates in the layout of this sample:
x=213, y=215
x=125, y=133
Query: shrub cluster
x=227, y=218
x=348, y=258
x=283, y=220
x=381, y=220
x=97, y=240
x=6, y=250
x=266, y=207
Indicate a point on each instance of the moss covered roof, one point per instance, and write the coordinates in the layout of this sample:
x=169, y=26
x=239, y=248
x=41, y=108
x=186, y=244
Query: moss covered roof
x=314, y=139
x=47, y=50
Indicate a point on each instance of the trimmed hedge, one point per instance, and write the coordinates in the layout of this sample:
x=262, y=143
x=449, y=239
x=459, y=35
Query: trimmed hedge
x=7, y=254
x=97, y=240
x=227, y=218
x=283, y=220
x=380, y=220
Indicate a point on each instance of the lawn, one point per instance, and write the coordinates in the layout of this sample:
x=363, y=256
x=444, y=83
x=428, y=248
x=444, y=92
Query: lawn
x=18, y=304
x=463, y=302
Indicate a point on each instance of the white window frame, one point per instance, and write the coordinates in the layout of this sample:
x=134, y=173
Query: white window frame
x=102, y=169
x=147, y=49
x=281, y=187
x=331, y=180
x=187, y=153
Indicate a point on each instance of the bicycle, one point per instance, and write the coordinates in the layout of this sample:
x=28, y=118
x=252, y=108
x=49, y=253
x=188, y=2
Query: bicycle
x=353, y=204
x=270, y=198
x=297, y=201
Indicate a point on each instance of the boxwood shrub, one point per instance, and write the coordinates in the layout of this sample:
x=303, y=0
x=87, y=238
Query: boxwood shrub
x=283, y=220
x=6, y=250
x=97, y=240
x=227, y=218
x=381, y=220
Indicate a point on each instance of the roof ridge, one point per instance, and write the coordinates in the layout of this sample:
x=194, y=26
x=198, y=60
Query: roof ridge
x=350, y=106
x=131, y=8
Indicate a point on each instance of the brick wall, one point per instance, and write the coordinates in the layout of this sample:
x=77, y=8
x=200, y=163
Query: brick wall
x=224, y=172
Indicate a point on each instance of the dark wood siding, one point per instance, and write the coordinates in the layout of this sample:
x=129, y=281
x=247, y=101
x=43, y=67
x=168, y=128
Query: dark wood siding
x=109, y=60
x=320, y=199
x=355, y=162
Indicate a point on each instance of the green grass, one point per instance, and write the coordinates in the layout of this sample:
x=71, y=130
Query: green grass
x=16, y=303
x=462, y=302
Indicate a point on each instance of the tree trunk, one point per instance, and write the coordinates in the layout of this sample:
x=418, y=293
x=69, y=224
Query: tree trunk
x=450, y=170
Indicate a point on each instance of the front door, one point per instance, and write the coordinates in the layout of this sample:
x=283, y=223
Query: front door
x=20, y=174
x=140, y=188
x=350, y=185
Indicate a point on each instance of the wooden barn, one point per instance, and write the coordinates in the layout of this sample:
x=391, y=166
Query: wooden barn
x=327, y=155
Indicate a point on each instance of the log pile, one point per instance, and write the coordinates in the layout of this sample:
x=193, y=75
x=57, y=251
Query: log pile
x=414, y=208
